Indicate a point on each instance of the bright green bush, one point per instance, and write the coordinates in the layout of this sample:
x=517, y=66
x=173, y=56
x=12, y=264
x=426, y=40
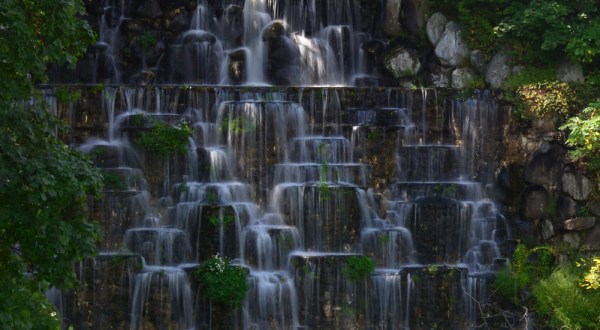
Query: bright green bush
x=222, y=282
x=553, y=97
x=527, y=267
x=563, y=304
x=584, y=136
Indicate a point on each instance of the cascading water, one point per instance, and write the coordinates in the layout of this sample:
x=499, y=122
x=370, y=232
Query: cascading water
x=290, y=185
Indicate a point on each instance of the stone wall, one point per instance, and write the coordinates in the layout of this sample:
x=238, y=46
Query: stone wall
x=547, y=198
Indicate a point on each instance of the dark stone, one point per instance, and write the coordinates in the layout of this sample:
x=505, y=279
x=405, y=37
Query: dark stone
x=440, y=228
x=232, y=26
x=542, y=168
x=283, y=60
x=193, y=36
x=327, y=298
x=274, y=31
x=236, y=68
x=566, y=207
x=177, y=20
x=149, y=9
x=535, y=202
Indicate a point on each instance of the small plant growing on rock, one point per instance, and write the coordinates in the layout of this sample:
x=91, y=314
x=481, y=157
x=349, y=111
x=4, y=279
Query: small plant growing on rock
x=359, y=267
x=166, y=140
x=222, y=282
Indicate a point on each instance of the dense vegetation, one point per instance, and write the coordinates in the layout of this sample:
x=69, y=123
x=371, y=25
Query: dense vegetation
x=539, y=35
x=43, y=183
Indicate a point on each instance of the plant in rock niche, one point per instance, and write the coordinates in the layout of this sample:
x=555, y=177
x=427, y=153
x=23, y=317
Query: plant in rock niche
x=359, y=267
x=222, y=282
x=584, y=136
x=147, y=40
x=166, y=140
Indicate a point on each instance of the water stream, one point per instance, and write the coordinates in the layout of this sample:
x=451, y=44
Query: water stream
x=289, y=183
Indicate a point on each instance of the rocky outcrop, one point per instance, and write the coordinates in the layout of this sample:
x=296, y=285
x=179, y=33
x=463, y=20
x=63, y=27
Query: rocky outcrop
x=451, y=49
x=402, y=63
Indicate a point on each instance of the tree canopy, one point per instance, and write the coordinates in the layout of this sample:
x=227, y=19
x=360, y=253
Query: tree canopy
x=43, y=183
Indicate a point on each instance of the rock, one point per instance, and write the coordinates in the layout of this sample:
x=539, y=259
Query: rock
x=274, y=30
x=478, y=61
x=392, y=26
x=542, y=168
x=236, y=68
x=576, y=185
x=402, y=62
x=572, y=240
x=451, y=49
x=592, y=240
x=580, y=223
x=535, y=201
x=566, y=207
x=193, y=36
x=149, y=9
x=413, y=15
x=232, y=25
x=593, y=205
x=176, y=20
x=570, y=72
x=435, y=27
x=498, y=70
x=547, y=229
x=440, y=77
x=283, y=60
x=462, y=77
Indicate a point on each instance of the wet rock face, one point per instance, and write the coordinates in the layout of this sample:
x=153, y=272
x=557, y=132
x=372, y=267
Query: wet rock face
x=103, y=299
x=440, y=228
x=328, y=299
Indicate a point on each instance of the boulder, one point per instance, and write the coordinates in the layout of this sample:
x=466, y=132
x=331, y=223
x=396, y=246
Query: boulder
x=392, y=26
x=176, y=20
x=576, y=185
x=498, y=70
x=149, y=9
x=274, y=30
x=566, y=207
x=236, y=69
x=451, y=49
x=413, y=15
x=440, y=77
x=542, y=168
x=402, y=62
x=535, y=201
x=570, y=72
x=462, y=77
x=580, y=223
x=193, y=36
x=435, y=27
x=478, y=61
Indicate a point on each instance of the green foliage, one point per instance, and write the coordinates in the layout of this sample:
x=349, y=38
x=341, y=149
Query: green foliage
x=527, y=267
x=563, y=304
x=43, y=183
x=166, y=140
x=359, y=267
x=530, y=75
x=147, y=40
x=43, y=225
x=113, y=181
x=222, y=282
x=553, y=97
x=536, y=31
x=35, y=33
x=584, y=136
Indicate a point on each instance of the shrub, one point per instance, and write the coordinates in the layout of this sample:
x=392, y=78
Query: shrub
x=548, y=98
x=584, y=136
x=222, y=282
x=359, y=267
x=563, y=304
x=166, y=140
x=527, y=267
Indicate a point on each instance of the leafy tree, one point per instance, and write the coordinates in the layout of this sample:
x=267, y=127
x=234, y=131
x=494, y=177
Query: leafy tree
x=43, y=182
